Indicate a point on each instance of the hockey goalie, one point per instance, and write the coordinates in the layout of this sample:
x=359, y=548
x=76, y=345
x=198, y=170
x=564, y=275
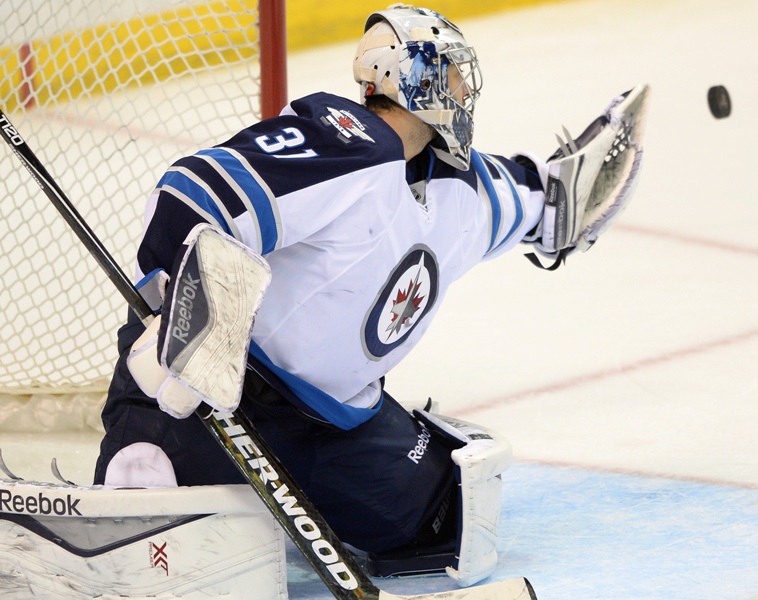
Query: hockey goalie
x=290, y=268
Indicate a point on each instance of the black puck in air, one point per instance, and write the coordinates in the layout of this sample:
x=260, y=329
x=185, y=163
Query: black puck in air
x=719, y=101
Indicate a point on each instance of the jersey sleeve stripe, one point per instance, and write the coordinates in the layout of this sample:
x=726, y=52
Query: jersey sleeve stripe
x=517, y=204
x=247, y=222
x=252, y=191
x=484, y=177
x=182, y=197
x=197, y=191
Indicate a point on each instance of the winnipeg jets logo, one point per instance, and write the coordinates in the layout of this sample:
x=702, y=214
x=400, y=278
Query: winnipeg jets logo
x=406, y=297
x=347, y=125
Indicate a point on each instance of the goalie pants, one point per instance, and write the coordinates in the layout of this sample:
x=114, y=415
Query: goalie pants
x=363, y=481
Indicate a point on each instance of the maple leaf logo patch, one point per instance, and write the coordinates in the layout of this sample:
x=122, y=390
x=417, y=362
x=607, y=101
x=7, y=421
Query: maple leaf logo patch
x=405, y=306
x=347, y=125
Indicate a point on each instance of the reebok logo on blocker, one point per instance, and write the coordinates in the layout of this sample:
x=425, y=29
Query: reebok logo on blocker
x=189, y=313
x=189, y=290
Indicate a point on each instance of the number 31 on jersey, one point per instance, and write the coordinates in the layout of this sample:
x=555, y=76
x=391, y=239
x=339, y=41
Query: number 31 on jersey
x=289, y=137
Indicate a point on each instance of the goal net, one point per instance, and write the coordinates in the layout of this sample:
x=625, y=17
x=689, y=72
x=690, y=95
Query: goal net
x=107, y=93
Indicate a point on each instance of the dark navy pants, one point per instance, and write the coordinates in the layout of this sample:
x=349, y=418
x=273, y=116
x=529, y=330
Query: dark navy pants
x=362, y=481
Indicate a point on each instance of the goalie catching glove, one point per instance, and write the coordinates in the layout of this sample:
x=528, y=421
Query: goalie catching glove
x=196, y=350
x=591, y=179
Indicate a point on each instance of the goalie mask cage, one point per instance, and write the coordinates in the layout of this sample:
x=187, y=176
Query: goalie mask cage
x=108, y=93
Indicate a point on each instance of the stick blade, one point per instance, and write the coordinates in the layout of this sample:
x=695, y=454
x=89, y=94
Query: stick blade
x=510, y=589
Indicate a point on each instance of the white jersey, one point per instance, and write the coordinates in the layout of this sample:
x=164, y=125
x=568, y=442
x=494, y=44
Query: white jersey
x=362, y=245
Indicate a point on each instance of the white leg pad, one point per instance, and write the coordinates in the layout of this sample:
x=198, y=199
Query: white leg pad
x=193, y=543
x=480, y=462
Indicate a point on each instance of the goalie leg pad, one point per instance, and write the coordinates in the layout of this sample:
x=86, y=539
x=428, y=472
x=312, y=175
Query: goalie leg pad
x=191, y=542
x=480, y=462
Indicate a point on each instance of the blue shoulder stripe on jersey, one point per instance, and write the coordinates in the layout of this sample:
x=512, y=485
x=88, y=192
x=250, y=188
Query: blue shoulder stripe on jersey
x=311, y=400
x=484, y=176
x=261, y=204
x=516, y=202
x=214, y=179
x=184, y=184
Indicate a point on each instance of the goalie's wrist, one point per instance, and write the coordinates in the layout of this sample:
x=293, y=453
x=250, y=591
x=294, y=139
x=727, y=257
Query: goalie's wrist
x=533, y=236
x=533, y=163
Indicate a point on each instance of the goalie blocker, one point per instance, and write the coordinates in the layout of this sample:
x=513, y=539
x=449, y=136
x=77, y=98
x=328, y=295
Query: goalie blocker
x=196, y=350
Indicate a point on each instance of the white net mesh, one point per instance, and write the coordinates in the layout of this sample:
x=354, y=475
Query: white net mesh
x=107, y=93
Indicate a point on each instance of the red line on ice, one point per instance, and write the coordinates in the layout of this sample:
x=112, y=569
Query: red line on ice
x=588, y=378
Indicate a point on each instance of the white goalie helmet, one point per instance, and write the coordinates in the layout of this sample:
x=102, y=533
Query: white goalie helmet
x=406, y=54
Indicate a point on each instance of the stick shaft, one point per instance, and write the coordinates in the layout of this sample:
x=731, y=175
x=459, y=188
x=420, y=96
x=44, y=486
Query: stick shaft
x=290, y=506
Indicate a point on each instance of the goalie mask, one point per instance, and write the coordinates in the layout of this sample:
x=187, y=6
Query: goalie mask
x=421, y=61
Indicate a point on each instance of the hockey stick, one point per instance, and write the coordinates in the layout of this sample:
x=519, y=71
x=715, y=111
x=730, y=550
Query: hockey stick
x=334, y=564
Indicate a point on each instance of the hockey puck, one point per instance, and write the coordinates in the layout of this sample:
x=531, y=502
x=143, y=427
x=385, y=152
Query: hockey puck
x=719, y=101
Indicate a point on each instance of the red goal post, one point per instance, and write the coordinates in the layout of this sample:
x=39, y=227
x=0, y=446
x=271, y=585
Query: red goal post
x=108, y=93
